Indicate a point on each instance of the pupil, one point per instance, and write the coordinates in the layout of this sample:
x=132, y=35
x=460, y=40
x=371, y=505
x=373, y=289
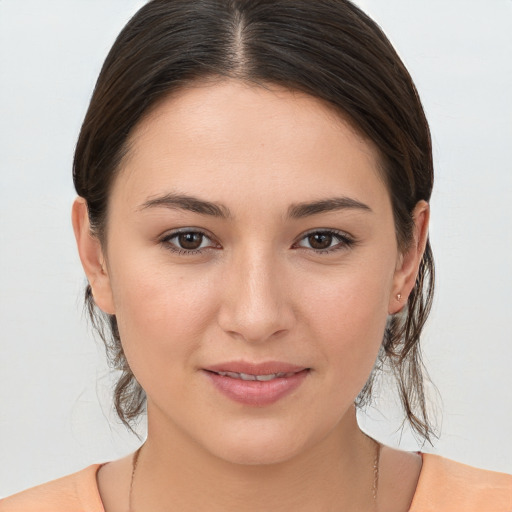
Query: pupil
x=190, y=240
x=320, y=241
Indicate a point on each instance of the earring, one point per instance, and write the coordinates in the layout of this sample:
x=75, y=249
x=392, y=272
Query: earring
x=398, y=297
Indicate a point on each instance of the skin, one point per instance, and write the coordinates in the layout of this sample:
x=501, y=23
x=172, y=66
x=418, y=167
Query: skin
x=256, y=291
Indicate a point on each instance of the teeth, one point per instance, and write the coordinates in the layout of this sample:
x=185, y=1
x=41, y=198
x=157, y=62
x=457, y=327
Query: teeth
x=266, y=377
x=261, y=378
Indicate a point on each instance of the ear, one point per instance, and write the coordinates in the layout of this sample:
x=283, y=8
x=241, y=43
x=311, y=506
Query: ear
x=92, y=258
x=409, y=261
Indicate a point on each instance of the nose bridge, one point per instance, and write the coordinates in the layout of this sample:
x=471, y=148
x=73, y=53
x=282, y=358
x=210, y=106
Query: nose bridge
x=255, y=305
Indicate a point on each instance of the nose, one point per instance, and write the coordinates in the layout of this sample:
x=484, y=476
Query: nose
x=256, y=305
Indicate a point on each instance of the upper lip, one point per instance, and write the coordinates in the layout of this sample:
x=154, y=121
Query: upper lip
x=263, y=368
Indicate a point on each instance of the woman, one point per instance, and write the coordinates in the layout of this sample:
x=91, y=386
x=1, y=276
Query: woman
x=253, y=183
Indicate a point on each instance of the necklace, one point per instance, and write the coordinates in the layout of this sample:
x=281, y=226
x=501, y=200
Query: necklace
x=375, y=486
x=134, y=467
x=376, y=461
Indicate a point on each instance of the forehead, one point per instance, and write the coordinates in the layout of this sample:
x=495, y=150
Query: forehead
x=215, y=136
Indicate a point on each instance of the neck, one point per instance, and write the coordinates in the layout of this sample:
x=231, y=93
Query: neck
x=337, y=473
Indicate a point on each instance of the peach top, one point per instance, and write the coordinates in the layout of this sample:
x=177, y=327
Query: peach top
x=443, y=486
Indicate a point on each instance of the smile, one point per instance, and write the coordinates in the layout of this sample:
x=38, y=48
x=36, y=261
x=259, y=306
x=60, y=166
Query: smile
x=258, y=385
x=261, y=378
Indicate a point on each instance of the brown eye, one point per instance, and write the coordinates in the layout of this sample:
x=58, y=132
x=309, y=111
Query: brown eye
x=325, y=242
x=320, y=241
x=190, y=241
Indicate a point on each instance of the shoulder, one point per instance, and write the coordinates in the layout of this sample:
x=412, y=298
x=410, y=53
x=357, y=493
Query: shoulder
x=73, y=493
x=445, y=485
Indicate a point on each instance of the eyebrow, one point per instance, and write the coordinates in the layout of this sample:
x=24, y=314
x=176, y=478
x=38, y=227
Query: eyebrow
x=300, y=210
x=189, y=203
x=295, y=211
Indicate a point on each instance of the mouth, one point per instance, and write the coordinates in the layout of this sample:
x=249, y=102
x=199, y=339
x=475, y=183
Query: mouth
x=256, y=384
x=260, y=378
x=242, y=369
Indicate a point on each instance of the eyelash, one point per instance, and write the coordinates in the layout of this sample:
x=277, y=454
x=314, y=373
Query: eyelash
x=344, y=241
x=166, y=242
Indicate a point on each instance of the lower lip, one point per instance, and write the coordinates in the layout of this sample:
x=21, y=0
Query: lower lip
x=257, y=393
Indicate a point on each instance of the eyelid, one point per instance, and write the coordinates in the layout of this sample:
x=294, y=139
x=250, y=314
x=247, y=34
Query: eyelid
x=346, y=241
x=169, y=235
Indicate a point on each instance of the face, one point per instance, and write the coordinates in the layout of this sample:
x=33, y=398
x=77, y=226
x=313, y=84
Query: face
x=250, y=236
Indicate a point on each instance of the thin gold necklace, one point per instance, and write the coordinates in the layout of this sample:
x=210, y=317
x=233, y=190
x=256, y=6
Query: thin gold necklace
x=375, y=486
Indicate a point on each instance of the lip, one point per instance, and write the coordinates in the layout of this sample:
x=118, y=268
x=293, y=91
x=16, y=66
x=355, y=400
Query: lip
x=252, y=392
x=263, y=368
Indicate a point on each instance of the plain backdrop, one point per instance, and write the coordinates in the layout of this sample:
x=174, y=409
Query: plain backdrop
x=55, y=407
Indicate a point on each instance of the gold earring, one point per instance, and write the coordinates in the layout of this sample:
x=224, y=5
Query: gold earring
x=398, y=297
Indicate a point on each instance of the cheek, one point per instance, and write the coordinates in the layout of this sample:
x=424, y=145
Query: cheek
x=349, y=315
x=161, y=314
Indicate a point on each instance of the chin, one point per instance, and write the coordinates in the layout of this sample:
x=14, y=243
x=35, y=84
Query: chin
x=257, y=455
x=261, y=445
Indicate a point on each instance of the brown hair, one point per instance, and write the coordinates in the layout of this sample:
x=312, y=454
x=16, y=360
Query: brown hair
x=329, y=49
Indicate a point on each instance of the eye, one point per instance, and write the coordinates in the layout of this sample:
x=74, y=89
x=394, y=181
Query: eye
x=325, y=241
x=188, y=241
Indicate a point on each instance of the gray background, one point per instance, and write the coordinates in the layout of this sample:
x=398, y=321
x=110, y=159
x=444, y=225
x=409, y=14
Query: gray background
x=55, y=408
